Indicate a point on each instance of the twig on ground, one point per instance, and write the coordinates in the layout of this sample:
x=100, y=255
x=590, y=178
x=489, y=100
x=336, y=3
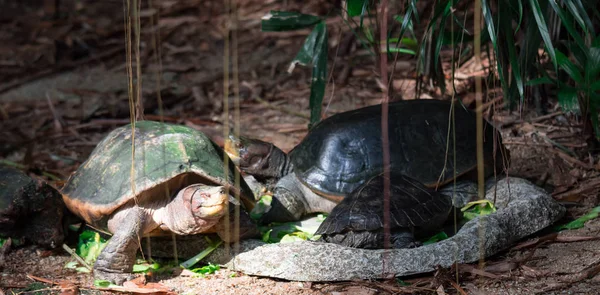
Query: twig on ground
x=490, y=103
x=571, y=160
x=569, y=279
x=57, y=120
x=536, y=119
x=74, y=255
x=581, y=189
x=457, y=287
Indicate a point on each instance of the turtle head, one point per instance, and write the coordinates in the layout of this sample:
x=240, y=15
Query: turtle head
x=195, y=209
x=261, y=159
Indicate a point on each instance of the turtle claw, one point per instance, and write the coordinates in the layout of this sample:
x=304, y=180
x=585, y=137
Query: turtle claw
x=117, y=278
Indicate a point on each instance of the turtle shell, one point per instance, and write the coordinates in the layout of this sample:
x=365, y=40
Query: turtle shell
x=412, y=205
x=344, y=150
x=167, y=158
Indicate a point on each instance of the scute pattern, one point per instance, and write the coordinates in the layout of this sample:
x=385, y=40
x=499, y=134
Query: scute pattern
x=412, y=205
x=344, y=150
x=162, y=151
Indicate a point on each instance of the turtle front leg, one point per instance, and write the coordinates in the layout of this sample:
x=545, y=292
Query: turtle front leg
x=288, y=202
x=292, y=200
x=115, y=262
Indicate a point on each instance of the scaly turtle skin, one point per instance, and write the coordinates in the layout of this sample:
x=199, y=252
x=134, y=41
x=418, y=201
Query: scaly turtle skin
x=180, y=187
x=344, y=150
x=414, y=210
x=30, y=209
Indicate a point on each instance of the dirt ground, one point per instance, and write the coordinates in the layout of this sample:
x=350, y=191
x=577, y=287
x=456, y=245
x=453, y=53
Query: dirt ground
x=64, y=86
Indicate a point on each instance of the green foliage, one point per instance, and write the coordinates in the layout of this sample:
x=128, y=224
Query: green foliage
x=517, y=61
x=144, y=267
x=580, y=222
x=90, y=245
x=520, y=68
x=290, y=231
x=477, y=208
x=212, y=246
x=278, y=21
x=207, y=269
x=357, y=7
x=313, y=52
x=436, y=238
x=13, y=241
x=261, y=207
x=74, y=265
x=580, y=91
x=104, y=284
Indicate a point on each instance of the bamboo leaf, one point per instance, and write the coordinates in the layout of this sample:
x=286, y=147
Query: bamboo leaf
x=439, y=42
x=592, y=68
x=594, y=108
x=577, y=52
x=583, y=13
x=402, y=50
x=489, y=23
x=441, y=8
x=567, y=98
x=506, y=23
x=571, y=6
x=539, y=81
x=543, y=29
x=595, y=86
x=570, y=68
x=356, y=7
x=568, y=24
x=277, y=21
x=413, y=8
x=406, y=24
x=319, y=74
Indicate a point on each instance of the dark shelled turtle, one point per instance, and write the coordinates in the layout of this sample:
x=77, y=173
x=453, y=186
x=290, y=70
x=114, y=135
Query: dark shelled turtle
x=30, y=209
x=180, y=187
x=358, y=220
x=344, y=150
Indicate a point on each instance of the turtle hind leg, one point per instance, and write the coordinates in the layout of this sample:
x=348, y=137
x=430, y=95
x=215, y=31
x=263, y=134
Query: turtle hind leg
x=115, y=262
x=403, y=239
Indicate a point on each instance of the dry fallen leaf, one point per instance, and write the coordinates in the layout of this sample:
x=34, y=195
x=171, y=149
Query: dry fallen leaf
x=68, y=288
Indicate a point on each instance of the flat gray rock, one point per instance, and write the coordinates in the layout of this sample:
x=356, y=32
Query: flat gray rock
x=523, y=209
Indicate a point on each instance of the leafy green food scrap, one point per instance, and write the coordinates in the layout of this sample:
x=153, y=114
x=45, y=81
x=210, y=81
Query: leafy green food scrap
x=90, y=245
x=580, y=222
x=207, y=269
x=478, y=208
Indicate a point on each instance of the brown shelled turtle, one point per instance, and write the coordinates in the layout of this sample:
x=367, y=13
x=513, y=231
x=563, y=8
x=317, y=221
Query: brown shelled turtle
x=343, y=151
x=180, y=187
x=30, y=209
